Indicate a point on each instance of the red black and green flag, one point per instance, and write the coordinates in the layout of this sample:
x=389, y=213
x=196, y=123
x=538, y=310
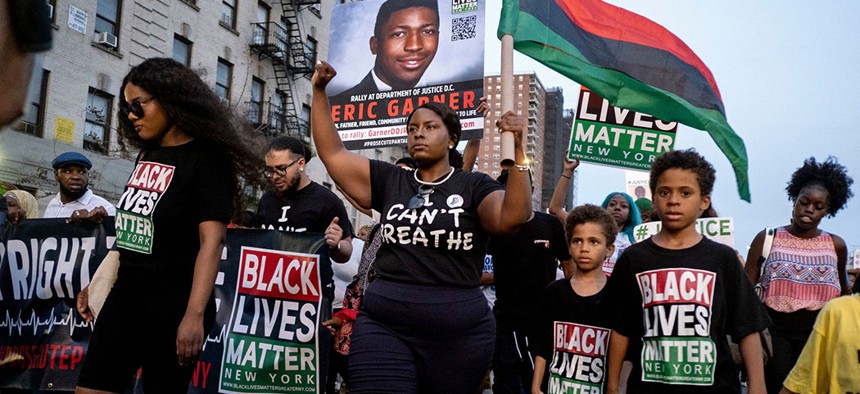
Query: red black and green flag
x=628, y=59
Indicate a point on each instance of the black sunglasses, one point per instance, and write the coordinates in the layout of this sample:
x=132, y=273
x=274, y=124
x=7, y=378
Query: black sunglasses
x=417, y=201
x=135, y=107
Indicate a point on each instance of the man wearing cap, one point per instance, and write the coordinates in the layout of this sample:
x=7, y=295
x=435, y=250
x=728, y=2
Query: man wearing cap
x=75, y=199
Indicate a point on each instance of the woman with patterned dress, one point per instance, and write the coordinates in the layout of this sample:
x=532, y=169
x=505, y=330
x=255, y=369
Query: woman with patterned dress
x=806, y=265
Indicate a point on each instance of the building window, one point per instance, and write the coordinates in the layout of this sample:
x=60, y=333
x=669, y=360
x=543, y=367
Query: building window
x=223, y=78
x=107, y=17
x=182, y=50
x=276, y=112
x=496, y=156
x=228, y=13
x=311, y=51
x=97, y=125
x=495, y=147
x=305, y=123
x=497, y=139
x=34, y=119
x=262, y=12
x=255, y=106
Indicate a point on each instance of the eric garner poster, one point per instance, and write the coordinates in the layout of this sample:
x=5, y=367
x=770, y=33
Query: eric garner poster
x=617, y=137
x=391, y=56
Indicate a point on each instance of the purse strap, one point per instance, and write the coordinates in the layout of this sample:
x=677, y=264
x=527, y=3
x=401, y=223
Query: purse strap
x=765, y=249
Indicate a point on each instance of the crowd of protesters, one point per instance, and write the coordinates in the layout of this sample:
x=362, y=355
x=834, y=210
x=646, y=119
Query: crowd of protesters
x=580, y=305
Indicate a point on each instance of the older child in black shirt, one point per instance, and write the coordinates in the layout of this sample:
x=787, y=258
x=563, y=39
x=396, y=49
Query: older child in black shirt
x=677, y=295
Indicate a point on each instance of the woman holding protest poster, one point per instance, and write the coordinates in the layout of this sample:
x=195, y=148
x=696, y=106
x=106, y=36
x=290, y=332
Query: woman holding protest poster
x=424, y=324
x=799, y=266
x=170, y=226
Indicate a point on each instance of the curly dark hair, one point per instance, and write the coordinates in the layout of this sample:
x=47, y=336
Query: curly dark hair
x=830, y=175
x=687, y=159
x=452, y=122
x=196, y=110
x=589, y=213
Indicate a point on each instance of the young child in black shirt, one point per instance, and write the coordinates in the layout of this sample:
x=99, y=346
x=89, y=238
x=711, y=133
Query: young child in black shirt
x=574, y=333
x=675, y=296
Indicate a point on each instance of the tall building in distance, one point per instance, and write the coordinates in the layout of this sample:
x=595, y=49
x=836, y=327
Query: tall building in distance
x=530, y=102
x=556, y=140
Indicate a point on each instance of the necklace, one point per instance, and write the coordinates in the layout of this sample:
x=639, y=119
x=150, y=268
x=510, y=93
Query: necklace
x=415, y=175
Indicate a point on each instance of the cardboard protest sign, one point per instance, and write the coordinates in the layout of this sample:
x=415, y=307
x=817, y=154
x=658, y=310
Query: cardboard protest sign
x=390, y=61
x=720, y=230
x=617, y=137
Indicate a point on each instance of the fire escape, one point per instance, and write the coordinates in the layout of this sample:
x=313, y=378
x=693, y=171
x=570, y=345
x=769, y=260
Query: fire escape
x=292, y=59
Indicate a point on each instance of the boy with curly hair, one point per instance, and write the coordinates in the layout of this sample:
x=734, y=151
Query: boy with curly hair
x=573, y=325
x=677, y=295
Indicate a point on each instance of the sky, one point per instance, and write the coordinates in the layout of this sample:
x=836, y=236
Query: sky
x=787, y=74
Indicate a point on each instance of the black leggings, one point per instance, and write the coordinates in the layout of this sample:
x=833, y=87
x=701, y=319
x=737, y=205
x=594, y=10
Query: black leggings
x=788, y=335
x=420, y=339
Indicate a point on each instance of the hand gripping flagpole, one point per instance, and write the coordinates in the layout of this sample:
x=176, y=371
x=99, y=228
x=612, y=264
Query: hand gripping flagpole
x=507, y=97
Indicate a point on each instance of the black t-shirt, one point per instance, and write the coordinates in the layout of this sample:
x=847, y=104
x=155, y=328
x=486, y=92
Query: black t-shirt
x=309, y=209
x=441, y=243
x=573, y=337
x=676, y=307
x=170, y=192
x=523, y=264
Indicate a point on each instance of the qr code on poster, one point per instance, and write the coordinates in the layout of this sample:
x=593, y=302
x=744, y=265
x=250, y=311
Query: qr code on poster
x=463, y=28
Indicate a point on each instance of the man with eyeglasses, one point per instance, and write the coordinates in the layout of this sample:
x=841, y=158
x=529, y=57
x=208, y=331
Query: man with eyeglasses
x=298, y=204
x=75, y=200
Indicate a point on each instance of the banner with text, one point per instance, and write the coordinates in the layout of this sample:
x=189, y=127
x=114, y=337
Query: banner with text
x=720, y=230
x=44, y=264
x=392, y=60
x=271, y=301
x=617, y=137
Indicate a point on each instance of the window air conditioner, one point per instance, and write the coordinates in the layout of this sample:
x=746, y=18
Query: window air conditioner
x=106, y=39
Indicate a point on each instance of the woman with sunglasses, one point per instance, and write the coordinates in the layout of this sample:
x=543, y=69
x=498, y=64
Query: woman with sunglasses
x=170, y=227
x=424, y=325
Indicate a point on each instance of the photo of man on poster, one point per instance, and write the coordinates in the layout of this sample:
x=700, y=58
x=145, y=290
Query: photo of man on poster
x=394, y=55
x=405, y=39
